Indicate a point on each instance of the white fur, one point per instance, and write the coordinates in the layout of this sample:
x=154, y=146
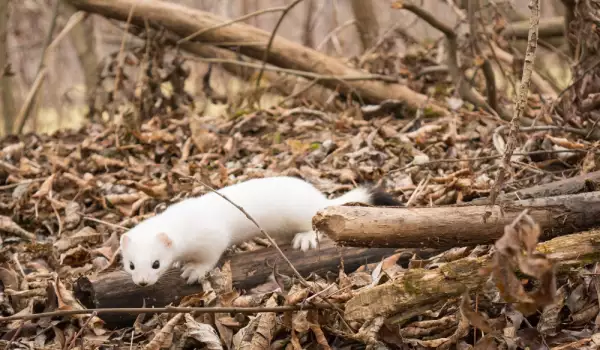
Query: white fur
x=202, y=228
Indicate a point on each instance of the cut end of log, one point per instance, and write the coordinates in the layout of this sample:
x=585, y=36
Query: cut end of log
x=328, y=224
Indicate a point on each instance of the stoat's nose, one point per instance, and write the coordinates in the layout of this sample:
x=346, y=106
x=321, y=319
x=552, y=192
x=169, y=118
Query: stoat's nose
x=143, y=283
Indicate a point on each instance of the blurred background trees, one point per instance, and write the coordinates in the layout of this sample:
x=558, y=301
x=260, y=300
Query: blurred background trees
x=337, y=27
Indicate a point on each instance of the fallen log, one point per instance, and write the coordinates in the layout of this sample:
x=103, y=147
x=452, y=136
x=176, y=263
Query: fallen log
x=185, y=21
x=577, y=184
x=116, y=290
x=418, y=287
x=452, y=226
x=549, y=27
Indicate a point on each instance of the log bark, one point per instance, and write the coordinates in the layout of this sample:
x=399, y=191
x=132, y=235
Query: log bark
x=185, y=21
x=577, y=184
x=452, y=226
x=418, y=287
x=249, y=269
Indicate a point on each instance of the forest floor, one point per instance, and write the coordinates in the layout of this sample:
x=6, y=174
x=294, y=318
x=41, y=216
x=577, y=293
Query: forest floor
x=66, y=198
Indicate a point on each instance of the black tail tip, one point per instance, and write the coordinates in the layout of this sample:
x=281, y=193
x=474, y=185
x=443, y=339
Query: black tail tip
x=383, y=199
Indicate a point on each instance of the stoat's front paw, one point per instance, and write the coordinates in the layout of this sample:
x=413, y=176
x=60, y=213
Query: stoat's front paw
x=306, y=240
x=194, y=272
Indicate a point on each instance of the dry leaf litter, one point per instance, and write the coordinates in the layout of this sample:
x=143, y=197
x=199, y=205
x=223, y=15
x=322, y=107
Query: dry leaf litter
x=67, y=197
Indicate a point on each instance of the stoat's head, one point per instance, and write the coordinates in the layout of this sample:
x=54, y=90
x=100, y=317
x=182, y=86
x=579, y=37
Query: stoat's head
x=147, y=256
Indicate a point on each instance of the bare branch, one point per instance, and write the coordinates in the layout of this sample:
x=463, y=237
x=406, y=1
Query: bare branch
x=534, y=6
x=266, y=54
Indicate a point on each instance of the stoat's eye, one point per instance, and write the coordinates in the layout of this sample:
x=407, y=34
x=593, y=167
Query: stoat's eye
x=155, y=264
x=131, y=266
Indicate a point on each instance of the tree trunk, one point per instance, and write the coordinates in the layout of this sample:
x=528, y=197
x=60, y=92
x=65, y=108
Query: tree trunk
x=366, y=22
x=84, y=42
x=307, y=33
x=8, y=102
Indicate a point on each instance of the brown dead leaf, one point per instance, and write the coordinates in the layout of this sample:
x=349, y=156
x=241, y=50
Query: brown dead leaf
x=317, y=331
x=158, y=191
x=125, y=198
x=475, y=318
x=77, y=256
x=157, y=136
x=203, y=139
x=45, y=188
x=515, y=250
x=72, y=215
x=204, y=334
x=9, y=226
x=165, y=335
x=266, y=327
x=86, y=235
x=561, y=141
x=550, y=318
x=105, y=162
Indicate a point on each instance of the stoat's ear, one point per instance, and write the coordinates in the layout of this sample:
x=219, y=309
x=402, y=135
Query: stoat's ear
x=165, y=240
x=125, y=241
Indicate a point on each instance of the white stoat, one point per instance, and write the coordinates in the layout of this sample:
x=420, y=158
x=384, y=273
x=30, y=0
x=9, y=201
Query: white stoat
x=196, y=231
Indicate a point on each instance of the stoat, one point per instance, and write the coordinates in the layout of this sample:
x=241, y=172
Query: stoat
x=197, y=231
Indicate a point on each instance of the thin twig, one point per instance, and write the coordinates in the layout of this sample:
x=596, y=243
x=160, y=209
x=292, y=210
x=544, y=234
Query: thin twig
x=534, y=20
x=89, y=218
x=486, y=67
x=17, y=184
x=168, y=309
x=272, y=38
x=300, y=73
x=122, y=49
x=299, y=92
x=72, y=345
x=23, y=115
x=224, y=24
x=465, y=89
x=333, y=32
x=457, y=160
x=71, y=23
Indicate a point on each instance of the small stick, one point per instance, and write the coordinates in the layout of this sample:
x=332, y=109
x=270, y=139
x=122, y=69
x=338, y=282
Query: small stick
x=169, y=309
x=457, y=160
x=72, y=345
x=272, y=38
x=122, y=49
x=224, y=24
x=308, y=75
x=520, y=103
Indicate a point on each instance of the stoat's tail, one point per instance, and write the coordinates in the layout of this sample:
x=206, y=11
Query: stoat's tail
x=372, y=196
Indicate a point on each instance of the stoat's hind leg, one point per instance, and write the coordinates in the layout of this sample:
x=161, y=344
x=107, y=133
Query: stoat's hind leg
x=306, y=240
